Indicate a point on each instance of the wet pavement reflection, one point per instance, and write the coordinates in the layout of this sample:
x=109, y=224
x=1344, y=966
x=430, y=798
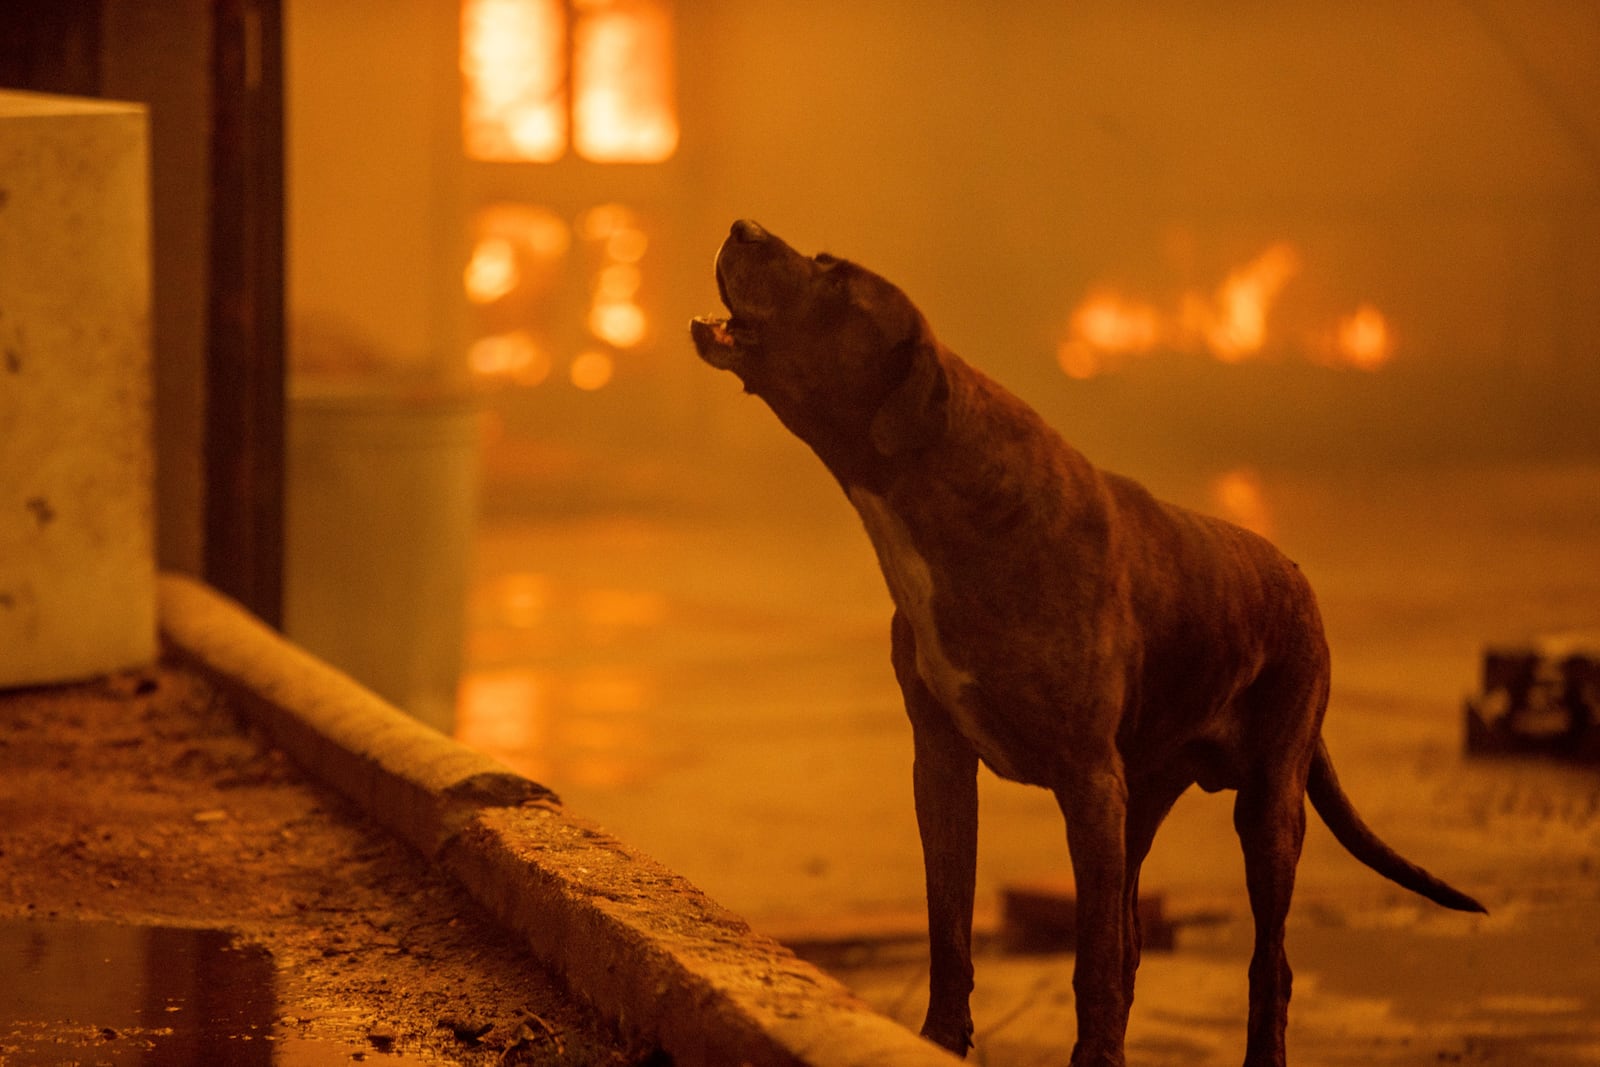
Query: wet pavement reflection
x=112, y=994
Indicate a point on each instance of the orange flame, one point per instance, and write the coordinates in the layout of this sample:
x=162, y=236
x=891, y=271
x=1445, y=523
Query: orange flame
x=515, y=81
x=615, y=315
x=622, y=82
x=1240, y=498
x=1105, y=326
x=513, y=67
x=492, y=271
x=515, y=246
x=591, y=370
x=1363, y=338
x=1235, y=325
x=515, y=356
x=1114, y=324
x=1231, y=324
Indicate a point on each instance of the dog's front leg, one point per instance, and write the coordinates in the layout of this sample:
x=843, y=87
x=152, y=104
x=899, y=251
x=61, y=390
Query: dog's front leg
x=1095, y=805
x=945, y=780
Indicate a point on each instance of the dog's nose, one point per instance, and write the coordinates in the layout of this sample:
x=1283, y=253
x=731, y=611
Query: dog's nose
x=747, y=231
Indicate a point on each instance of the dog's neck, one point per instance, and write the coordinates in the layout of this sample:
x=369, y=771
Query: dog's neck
x=846, y=450
x=1046, y=470
x=859, y=467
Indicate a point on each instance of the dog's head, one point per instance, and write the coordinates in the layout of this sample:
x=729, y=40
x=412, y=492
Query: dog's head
x=842, y=356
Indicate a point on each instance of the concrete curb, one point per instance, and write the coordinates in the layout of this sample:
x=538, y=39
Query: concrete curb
x=646, y=948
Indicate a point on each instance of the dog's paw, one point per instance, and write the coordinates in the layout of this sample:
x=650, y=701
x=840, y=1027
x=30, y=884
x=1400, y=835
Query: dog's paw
x=1083, y=1056
x=955, y=1038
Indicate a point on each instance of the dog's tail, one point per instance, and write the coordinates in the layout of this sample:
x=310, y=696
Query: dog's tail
x=1355, y=835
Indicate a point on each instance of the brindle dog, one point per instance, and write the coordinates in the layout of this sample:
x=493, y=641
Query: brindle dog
x=1057, y=623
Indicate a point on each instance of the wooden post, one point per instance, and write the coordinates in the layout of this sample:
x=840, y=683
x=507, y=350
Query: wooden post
x=244, y=431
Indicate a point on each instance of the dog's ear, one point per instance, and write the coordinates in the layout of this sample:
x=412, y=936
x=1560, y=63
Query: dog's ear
x=917, y=411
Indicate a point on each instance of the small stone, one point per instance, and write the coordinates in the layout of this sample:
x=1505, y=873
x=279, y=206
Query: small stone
x=212, y=815
x=468, y=1030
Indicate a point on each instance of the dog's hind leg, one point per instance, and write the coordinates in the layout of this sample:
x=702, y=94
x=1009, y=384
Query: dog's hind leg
x=1282, y=720
x=1270, y=817
x=945, y=781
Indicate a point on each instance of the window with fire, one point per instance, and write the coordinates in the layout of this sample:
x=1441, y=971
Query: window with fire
x=544, y=81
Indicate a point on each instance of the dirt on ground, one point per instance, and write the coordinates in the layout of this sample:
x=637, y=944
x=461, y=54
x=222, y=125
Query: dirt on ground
x=140, y=799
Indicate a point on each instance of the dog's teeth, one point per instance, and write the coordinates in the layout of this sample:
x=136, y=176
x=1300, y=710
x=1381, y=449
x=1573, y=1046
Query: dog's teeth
x=721, y=334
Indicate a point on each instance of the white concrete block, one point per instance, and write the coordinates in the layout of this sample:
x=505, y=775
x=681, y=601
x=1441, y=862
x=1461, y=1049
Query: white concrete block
x=77, y=568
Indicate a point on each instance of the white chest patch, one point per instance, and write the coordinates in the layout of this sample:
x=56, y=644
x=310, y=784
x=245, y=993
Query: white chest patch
x=910, y=583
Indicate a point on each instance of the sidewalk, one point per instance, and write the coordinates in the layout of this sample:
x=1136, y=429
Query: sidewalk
x=633, y=949
x=175, y=891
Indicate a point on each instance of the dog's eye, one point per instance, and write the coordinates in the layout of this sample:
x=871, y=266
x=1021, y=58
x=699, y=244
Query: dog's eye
x=822, y=259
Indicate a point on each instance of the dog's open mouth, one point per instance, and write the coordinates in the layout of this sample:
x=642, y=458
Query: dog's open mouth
x=713, y=331
x=716, y=340
x=723, y=340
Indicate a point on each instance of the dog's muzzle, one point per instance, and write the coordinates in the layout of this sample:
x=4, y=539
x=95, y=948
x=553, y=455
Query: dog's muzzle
x=722, y=339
